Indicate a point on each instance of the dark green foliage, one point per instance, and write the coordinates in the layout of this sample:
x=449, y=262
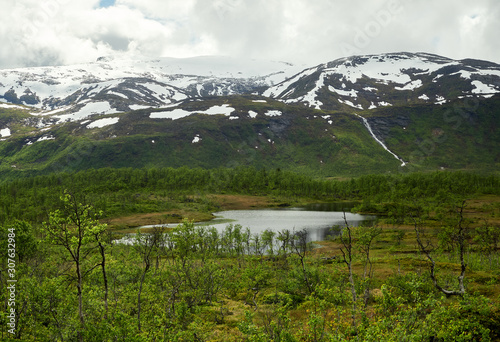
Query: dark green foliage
x=127, y=190
x=462, y=134
x=26, y=243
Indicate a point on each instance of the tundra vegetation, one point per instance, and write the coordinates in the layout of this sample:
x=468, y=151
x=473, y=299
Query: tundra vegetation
x=427, y=270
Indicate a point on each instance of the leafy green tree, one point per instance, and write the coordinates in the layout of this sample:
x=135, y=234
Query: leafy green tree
x=74, y=228
x=268, y=240
x=145, y=244
x=455, y=234
x=300, y=247
x=347, y=249
x=365, y=236
x=26, y=242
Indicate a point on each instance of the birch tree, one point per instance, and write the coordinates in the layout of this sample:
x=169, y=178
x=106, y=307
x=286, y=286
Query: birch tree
x=74, y=228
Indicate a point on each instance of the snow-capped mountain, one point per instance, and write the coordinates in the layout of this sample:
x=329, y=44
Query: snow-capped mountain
x=117, y=85
x=244, y=107
x=361, y=82
x=362, y=113
x=368, y=82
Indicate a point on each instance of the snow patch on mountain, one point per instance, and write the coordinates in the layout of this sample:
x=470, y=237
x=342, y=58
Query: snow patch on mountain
x=87, y=110
x=349, y=103
x=5, y=132
x=440, y=100
x=51, y=112
x=252, y=114
x=178, y=113
x=272, y=113
x=411, y=85
x=137, y=107
x=196, y=139
x=351, y=93
x=276, y=90
x=10, y=106
x=103, y=122
x=172, y=114
x=481, y=88
x=46, y=137
x=224, y=109
x=117, y=94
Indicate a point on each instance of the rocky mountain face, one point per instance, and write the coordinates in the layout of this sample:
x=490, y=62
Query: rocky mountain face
x=326, y=114
x=133, y=84
x=368, y=82
x=360, y=82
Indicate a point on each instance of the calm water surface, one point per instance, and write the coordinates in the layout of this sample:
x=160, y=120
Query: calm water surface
x=317, y=219
x=317, y=223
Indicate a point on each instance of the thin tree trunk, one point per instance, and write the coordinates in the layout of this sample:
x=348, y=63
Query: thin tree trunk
x=427, y=253
x=139, y=298
x=80, y=301
x=306, y=279
x=353, y=293
x=105, y=279
x=347, y=254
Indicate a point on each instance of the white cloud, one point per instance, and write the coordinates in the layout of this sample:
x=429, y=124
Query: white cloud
x=176, y=10
x=48, y=32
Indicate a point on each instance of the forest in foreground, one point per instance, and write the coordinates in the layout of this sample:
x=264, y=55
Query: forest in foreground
x=427, y=270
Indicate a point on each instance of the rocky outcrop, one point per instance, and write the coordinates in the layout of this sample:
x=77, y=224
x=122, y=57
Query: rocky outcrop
x=381, y=126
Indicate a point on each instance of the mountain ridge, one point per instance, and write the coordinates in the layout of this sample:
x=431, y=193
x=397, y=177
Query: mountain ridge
x=383, y=76
x=360, y=82
x=262, y=113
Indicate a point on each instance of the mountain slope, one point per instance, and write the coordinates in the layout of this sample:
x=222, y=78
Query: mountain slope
x=368, y=82
x=264, y=133
x=123, y=85
x=365, y=114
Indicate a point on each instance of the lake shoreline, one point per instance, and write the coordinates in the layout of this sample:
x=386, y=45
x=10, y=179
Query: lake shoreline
x=130, y=223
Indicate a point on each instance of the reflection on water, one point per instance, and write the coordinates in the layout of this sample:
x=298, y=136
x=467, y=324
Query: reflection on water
x=331, y=206
x=317, y=219
x=317, y=223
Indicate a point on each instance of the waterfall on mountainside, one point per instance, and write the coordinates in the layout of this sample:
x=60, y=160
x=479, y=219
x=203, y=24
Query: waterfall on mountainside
x=367, y=125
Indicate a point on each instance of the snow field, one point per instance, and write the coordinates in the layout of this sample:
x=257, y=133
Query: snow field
x=178, y=113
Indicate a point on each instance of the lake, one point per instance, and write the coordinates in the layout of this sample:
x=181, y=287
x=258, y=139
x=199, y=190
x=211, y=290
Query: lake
x=317, y=219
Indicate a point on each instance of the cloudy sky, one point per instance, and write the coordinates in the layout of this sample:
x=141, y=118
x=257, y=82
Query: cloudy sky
x=54, y=32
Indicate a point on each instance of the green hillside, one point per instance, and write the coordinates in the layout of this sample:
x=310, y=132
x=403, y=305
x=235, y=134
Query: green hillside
x=460, y=135
x=463, y=134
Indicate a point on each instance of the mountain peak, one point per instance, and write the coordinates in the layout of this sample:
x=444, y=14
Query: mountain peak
x=370, y=81
x=353, y=83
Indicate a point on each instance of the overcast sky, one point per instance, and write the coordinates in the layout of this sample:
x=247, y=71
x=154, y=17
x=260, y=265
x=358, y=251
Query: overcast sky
x=54, y=32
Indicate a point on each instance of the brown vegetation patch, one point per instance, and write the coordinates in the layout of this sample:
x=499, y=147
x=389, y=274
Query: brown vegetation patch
x=174, y=216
